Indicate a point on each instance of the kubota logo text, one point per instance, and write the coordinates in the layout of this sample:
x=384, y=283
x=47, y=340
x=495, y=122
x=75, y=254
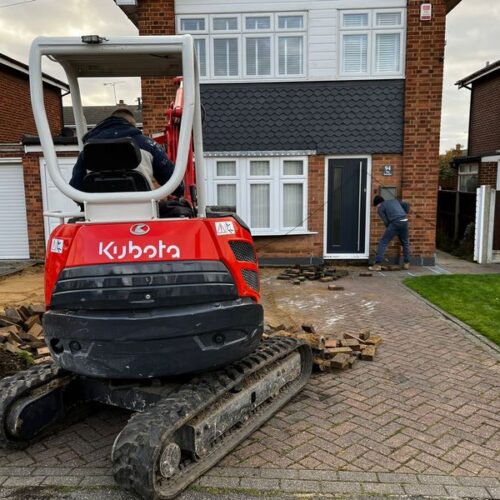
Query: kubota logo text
x=130, y=250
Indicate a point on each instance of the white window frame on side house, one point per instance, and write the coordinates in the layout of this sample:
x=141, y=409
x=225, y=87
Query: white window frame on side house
x=273, y=33
x=277, y=181
x=372, y=32
x=468, y=171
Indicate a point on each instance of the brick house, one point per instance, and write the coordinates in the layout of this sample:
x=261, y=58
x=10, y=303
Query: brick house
x=481, y=165
x=312, y=107
x=21, y=212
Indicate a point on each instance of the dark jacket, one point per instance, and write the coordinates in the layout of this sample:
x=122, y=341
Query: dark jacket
x=155, y=162
x=393, y=210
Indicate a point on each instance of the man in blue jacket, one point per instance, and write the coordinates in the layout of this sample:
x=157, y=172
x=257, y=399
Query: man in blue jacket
x=395, y=216
x=154, y=164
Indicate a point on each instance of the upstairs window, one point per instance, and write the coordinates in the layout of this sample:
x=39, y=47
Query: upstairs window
x=371, y=43
x=251, y=45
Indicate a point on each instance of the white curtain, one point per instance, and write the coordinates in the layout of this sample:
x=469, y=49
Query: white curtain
x=226, y=195
x=226, y=168
x=355, y=53
x=260, y=213
x=388, y=49
x=258, y=56
x=293, y=195
x=226, y=56
x=259, y=168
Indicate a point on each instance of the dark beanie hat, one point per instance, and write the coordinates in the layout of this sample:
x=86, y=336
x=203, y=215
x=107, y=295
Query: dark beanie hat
x=377, y=200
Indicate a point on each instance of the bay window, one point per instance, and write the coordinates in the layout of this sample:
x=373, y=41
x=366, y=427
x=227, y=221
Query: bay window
x=270, y=194
x=371, y=43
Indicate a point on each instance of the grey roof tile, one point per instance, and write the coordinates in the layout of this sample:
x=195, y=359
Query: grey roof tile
x=329, y=117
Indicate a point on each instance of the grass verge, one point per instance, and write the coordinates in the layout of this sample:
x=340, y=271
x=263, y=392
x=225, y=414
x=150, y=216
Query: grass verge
x=474, y=299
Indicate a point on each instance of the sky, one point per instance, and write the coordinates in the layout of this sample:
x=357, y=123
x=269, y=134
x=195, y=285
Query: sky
x=472, y=36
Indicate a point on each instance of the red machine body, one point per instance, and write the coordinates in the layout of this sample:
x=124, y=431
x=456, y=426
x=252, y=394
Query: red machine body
x=75, y=245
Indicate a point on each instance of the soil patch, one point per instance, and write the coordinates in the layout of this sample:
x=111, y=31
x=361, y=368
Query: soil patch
x=11, y=363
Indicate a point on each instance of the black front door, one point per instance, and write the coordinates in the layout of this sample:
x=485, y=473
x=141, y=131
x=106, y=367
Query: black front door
x=346, y=206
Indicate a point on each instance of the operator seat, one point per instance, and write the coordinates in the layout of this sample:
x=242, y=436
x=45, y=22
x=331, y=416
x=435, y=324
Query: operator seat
x=112, y=165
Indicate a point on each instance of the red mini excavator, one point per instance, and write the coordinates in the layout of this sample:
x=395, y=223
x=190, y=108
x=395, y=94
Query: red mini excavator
x=160, y=316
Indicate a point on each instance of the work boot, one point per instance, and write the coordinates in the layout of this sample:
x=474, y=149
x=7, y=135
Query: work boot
x=375, y=267
x=406, y=266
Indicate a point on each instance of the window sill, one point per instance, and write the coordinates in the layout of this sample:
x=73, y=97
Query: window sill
x=284, y=233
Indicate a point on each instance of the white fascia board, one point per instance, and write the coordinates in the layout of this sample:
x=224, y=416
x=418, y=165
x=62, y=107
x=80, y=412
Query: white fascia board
x=490, y=159
x=36, y=148
x=253, y=154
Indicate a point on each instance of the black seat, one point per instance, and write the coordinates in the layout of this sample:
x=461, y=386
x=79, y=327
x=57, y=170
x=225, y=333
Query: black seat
x=112, y=164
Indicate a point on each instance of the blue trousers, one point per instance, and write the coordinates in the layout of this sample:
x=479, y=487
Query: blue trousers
x=399, y=229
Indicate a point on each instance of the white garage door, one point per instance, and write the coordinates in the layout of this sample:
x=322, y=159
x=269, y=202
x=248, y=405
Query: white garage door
x=53, y=199
x=13, y=222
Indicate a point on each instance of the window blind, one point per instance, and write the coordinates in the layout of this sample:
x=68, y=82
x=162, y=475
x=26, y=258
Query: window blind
x=258, y=56
x=387, y=53
x=225, y=56
x=290, y=55
x=355, y=53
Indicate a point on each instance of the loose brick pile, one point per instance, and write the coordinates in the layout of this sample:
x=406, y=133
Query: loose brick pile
x=323, y=273
x=331, y=352
x=21, y=331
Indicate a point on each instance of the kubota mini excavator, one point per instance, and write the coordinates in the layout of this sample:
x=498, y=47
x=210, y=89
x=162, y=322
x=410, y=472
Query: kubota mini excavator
x=158, y=316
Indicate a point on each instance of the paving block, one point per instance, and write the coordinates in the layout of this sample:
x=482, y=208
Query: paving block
x=468, y=491
x=335, y=288
x=368, y=354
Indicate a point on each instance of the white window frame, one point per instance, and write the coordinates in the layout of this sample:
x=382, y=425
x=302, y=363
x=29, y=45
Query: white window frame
x=258, y=34
x=372, y=30
x=259, y=30
x=214, y=32
x=276, y=180
x=461, y=175
x=274, y=33
x=225, y=35
x=193, y=16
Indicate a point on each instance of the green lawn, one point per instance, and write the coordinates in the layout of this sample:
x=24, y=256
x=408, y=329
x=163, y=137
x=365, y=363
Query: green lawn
x=474, y=299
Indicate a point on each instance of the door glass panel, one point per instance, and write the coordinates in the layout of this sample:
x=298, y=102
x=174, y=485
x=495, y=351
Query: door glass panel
x=292, y=205
x=260, y=213
x=335, y=209
x=259, y=168
x=226, y=195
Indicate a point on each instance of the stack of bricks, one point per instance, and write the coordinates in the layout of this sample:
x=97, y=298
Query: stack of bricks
x=330, y=353
x=21, y=332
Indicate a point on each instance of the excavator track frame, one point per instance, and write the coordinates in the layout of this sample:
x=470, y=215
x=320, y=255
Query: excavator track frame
x=149, y=440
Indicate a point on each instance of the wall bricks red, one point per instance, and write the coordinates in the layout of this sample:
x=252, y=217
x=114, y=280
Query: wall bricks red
x=15, y=107
x=156, y=17
x=484, y=133
x=424, y=81
x=488, y=174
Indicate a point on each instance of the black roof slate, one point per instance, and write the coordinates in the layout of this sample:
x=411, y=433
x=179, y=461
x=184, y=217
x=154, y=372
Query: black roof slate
x=342, y=117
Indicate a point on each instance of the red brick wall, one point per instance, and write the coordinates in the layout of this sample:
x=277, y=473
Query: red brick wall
x=34, y=205
x=424, y=81
x=15, y=107
x=156, y=17
x=484, y=133
x=488, y=174
x=378, y=180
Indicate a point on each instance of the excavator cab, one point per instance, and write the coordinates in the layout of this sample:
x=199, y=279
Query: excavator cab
x=160, y=316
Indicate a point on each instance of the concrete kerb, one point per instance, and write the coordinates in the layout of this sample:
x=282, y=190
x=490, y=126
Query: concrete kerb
x=478, y=339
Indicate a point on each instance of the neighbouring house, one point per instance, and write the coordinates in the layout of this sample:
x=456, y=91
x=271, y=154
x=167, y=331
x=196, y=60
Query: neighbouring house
x=21, y=171
x=312, y=107
x=481, y=167
x=95, y=114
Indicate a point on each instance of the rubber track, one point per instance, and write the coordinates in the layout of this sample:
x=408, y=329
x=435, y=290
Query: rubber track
x=15, y=387
x=137, y=448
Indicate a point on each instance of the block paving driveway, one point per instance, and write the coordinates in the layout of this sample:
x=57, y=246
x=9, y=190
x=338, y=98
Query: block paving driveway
x=423, y=419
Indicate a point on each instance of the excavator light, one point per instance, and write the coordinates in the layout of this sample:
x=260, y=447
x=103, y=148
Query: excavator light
x=92, y=39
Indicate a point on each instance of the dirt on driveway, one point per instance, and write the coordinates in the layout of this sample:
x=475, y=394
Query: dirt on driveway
x=25, y=287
